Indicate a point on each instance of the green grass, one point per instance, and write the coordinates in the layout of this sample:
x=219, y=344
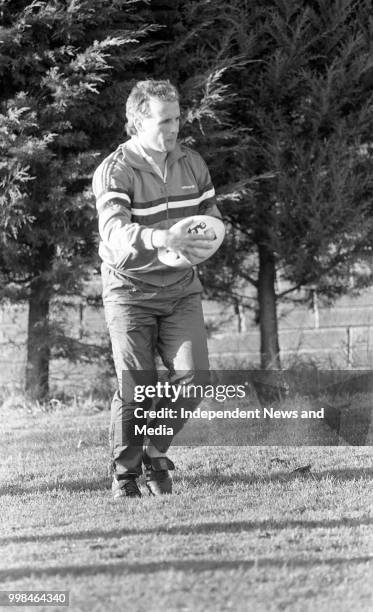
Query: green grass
x=241, y=532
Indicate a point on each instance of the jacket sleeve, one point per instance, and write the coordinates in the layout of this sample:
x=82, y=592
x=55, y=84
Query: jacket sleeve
x=127, y=241
x=208, y=204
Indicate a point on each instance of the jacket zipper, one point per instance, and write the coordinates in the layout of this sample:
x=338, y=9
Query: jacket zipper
x=167, y=212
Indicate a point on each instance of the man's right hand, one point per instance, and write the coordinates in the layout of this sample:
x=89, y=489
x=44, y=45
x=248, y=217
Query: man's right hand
x=178, y=240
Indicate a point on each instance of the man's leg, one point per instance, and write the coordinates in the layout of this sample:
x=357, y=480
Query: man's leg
x=133, y=334
x=182, y=344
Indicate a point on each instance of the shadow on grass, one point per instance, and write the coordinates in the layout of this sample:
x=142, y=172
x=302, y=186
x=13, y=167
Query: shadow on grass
x=192, y=565
x=342, y=475
x=268, y=527
x=83, y=484
x=218, y=480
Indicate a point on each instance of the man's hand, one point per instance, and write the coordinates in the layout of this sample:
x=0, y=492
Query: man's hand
x=178, y=240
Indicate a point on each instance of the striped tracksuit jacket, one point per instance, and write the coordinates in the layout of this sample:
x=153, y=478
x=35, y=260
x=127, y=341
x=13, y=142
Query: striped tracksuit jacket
x=133, y=200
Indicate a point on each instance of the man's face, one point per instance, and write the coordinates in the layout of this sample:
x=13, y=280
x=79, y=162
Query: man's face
x=159, y=131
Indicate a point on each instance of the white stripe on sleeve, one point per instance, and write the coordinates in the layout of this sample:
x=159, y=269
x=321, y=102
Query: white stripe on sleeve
x=111, y=195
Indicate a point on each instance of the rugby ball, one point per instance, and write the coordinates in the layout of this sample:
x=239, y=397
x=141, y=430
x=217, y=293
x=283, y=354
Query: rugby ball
x=201, y=225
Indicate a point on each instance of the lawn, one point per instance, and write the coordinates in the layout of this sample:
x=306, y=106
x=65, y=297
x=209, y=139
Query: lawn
x=244, y=530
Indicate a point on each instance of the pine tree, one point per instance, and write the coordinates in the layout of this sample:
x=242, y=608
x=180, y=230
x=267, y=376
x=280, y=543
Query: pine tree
x=65, y=70
x=290, y=83
x=309, y=107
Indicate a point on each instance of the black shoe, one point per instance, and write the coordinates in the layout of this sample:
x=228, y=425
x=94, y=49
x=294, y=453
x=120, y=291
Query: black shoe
x=125, y=486
x=158, y=478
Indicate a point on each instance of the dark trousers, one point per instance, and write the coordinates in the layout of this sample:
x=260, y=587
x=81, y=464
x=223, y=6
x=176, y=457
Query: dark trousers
x=143, y=320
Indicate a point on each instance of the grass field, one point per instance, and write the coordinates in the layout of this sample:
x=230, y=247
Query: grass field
x=243, y=530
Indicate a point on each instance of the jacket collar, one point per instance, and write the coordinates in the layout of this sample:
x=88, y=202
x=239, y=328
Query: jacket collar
x=134, y=157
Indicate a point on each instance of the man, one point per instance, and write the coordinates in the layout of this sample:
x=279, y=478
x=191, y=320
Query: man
x=148, y=184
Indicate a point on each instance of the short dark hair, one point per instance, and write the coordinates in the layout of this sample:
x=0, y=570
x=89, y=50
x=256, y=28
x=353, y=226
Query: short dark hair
x=137, y=104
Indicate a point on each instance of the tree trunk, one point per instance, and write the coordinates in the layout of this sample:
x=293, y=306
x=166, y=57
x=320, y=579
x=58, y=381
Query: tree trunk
x=38, y=348
x=237, y=312
x=269, y=343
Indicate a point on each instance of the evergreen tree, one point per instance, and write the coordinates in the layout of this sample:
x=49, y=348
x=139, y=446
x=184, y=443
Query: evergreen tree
x=55, y=58
x=291, y=81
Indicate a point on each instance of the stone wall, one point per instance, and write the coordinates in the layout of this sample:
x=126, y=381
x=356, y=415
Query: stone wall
x=341, y=337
